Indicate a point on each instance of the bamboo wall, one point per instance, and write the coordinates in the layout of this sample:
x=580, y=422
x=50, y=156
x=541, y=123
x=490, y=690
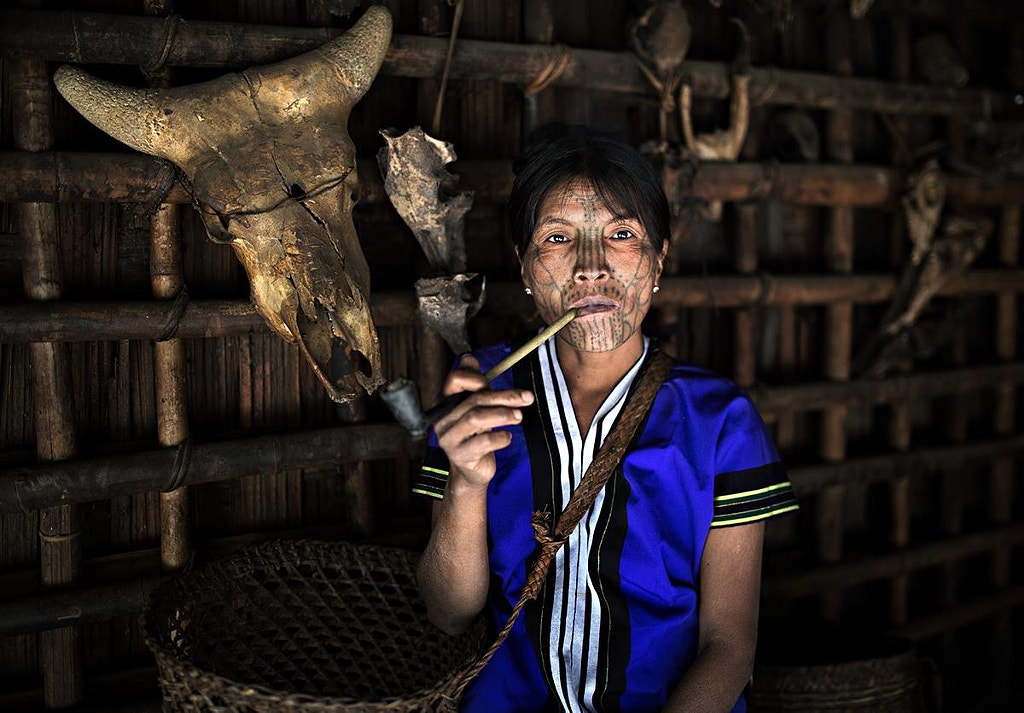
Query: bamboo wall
x=912, y=516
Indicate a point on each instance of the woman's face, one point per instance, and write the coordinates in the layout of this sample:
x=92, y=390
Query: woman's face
x=583, y=255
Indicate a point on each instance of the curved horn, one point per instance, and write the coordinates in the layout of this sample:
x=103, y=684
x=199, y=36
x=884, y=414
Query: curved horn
x=358, y=54
x=137, y=117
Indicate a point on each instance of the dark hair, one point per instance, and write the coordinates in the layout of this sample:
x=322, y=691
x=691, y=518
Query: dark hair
x=557, y=153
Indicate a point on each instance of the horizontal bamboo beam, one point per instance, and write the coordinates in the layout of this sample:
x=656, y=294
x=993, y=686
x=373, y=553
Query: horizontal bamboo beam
x=849, y=574
x=41, y=485
x=814, y=478
x=99, y=478
x=866, y=392
x=50, y=610
x=962, y=615
x=95, y=38
x=59, y=176
x=98, y=321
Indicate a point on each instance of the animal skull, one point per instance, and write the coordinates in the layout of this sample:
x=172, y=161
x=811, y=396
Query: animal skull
x=274, y=173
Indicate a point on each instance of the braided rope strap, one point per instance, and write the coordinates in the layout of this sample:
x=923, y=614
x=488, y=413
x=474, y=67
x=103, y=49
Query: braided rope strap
x=594, y=480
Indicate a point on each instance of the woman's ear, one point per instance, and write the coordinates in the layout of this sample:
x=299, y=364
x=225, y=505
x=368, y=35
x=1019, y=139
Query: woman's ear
x=662, y=254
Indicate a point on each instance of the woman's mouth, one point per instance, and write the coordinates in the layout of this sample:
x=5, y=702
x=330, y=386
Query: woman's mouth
x=595, y=304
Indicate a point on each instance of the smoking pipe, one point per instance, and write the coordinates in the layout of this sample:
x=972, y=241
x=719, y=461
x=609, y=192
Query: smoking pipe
x=402, y=397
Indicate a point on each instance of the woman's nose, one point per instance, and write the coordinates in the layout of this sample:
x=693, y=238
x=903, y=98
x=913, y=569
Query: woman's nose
x=588, y=274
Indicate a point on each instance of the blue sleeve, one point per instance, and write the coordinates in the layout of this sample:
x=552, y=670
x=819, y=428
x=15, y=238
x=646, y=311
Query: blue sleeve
x=750, y=482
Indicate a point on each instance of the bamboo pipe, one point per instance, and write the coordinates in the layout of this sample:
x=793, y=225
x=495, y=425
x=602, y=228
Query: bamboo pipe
x=122, y=39
x=58, y=176
x=60, y=547
x=838, y=315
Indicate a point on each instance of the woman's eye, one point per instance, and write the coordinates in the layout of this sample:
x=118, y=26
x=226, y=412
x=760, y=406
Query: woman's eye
x=622, y=234
x=557, y=238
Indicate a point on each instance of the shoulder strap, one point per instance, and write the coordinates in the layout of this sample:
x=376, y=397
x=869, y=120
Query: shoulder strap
x=601, y=468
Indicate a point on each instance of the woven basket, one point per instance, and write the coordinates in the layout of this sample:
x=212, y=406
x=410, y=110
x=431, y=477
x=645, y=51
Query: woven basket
x=303, y=626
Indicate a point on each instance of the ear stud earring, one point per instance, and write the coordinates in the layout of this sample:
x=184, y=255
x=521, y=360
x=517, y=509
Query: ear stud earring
x=527, y=290
x=655, y=289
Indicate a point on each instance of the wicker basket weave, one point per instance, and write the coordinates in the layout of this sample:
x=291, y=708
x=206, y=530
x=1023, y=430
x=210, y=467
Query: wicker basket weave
x=303, y=626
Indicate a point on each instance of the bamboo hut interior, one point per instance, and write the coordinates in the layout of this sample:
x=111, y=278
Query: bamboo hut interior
x=151, y=421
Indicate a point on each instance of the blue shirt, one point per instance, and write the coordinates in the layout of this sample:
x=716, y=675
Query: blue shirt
x=616, y=624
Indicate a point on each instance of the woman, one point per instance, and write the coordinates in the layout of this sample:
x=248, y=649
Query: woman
x=652, y=603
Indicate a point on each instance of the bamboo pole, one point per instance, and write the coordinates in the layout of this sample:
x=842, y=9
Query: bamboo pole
x=59, y=176
x=866, y=392
x=100, y=478
x=849, y=574
x=1002, y=487
x=91, y=321
x=994, y=606
x=30, y=611
x=169, y=355
x=431, y=351
x=60, y=546
x=838, y=315
x=121, y=39
x=899, y=413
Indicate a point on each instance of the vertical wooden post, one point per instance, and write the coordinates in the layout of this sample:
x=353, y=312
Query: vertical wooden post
x=166, y=279
x=538, y=28
x=748, y=216
x=431, y=350
x=839, y=315
x=952, y=483
x=899, y=423
x=60, y=546
x=1002, y=483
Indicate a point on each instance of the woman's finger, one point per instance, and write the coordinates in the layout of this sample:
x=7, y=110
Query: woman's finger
x=483, y=444
x=513, y=398
x=466, y=377
x=478, y=420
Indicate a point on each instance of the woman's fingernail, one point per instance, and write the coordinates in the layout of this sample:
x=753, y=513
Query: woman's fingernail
x=517, y=415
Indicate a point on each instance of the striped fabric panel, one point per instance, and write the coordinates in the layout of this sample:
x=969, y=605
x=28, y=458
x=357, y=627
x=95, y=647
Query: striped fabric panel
x=751, y=495
x=433, y=475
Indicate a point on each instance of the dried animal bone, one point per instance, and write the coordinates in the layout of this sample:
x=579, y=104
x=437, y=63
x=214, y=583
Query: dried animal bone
x=922, y=205
x=445, y=304
x=661, y=36
x=859, y=8
x=661, y=39
x=933, y=262
x=273, y=173
x=949, y=256
x=722, y=145
x=424, y=193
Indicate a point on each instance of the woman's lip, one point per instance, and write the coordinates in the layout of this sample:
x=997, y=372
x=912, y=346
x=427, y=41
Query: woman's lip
x=595, y=304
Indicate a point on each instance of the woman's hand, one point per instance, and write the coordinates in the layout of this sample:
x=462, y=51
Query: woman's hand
x=466, y=435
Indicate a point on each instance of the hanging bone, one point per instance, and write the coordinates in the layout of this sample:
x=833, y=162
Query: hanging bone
x=273, y=172
x=936, y=258
x=424, y=193
x=722, y=145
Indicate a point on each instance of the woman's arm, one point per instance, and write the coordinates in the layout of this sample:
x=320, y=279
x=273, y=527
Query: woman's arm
x=730, y=587
x=453, y=572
